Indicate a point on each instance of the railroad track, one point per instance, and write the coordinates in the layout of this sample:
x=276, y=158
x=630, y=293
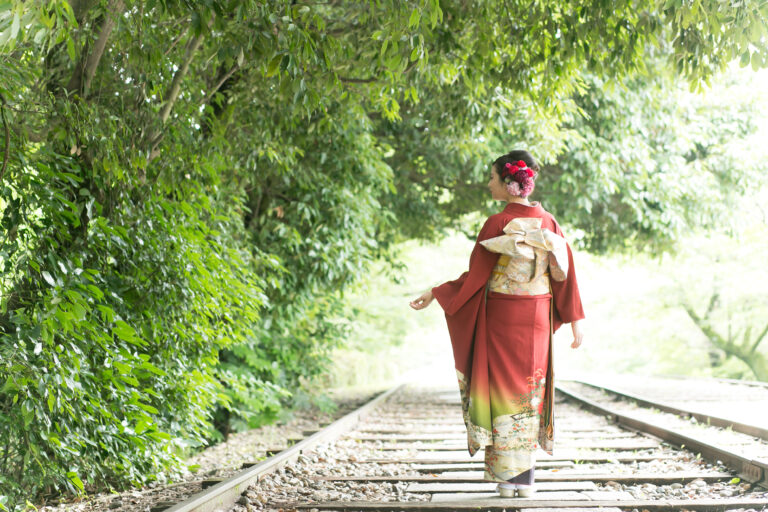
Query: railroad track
x=738, y=382
x=759, y=431
x=406, y=450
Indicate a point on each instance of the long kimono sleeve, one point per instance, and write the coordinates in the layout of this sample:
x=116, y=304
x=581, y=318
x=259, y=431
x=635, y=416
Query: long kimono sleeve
x=565, y=294
x=462, y=299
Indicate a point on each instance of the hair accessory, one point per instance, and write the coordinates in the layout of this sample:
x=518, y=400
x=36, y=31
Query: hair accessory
x=510, y=169
x=518, y=178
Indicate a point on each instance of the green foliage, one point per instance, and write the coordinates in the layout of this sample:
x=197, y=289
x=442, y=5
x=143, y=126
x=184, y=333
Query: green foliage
x=647, y=161
x=188, y=189
x=103, y=344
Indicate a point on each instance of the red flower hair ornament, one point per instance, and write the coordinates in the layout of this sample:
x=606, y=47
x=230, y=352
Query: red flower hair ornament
x=511, y=168
x=518, y=177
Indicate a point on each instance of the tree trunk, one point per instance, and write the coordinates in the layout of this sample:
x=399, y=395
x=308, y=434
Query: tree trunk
x=745, y=351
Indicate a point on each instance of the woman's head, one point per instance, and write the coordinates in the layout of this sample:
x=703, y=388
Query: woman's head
x=513, y=174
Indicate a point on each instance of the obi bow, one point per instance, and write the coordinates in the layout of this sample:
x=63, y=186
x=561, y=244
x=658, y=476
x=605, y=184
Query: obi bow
x=525, y=241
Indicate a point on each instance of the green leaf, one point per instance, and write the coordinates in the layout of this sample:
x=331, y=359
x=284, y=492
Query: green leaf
x=107, y=313
x=127, y=333
x=95, y=292
x=141, y=426
x=152, y=368
x=71, y=48
x=9, y=386
x=147, y=408
x=160, y=436
x=72, y=476
x=39, y=35
x=745, y=58
x=435, y=15
x=128, y=379
x=48, y=278
x=122, y=367
x=79, y=311
x=413, y=21
x=124, y=330
x=15, y=25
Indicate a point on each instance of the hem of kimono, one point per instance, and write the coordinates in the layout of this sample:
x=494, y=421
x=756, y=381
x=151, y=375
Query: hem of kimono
x=526, y=456
x=497, y=479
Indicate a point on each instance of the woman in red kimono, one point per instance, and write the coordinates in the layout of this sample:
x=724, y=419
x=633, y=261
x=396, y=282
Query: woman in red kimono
x=501, y=315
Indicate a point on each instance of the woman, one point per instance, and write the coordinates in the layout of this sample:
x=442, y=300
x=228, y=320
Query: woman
x=501, y=314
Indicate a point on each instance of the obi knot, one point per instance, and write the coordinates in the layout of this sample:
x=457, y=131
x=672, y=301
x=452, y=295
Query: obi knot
x=531, y=250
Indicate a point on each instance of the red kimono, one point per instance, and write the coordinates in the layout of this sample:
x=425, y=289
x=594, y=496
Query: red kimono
x=502, y=348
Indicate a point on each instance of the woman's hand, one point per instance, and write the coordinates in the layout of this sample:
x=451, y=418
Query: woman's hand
x=423, y=301
x=578, y=334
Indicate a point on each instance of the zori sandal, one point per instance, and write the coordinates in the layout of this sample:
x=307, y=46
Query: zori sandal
x=525, y=491
x=506, y=490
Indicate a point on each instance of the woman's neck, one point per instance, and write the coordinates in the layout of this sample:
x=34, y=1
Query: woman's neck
x=519, y=200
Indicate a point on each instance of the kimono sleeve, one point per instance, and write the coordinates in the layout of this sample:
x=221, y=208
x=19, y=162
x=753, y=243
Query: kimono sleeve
x=452, y=295
x=565, y=294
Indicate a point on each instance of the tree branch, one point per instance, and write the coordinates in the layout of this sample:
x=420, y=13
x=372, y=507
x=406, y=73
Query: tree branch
x=220, y=83
x=176, y=41
x=712, y=303
x=753, y=348
x=707, y=330
x=174, y=88
x=86, y=69
x=755, y=361
x=7, y=149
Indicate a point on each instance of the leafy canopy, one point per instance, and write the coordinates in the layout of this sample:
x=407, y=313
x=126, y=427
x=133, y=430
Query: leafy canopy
x=187, y=188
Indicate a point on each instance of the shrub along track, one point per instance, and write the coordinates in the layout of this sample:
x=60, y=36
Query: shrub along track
x=406, y=450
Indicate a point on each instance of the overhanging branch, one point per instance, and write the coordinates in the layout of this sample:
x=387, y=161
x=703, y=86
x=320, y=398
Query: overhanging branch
x=174, y=88
x=7, y=149
x=86, y=67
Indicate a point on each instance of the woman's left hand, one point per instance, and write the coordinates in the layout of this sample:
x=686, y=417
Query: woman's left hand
x=578, y=334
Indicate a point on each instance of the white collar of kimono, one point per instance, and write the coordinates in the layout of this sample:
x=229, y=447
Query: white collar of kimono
x=529, y=207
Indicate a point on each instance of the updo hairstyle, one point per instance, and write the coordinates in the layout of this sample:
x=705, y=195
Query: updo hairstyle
x=518, y=183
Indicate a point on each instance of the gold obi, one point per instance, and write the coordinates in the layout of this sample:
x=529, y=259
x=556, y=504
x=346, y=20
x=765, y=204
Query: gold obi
x=529, y=256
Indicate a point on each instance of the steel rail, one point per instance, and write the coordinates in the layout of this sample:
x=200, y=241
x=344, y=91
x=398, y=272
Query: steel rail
x=226, y=493
x=753, y=470
x=740, y=382
x=744, y=428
